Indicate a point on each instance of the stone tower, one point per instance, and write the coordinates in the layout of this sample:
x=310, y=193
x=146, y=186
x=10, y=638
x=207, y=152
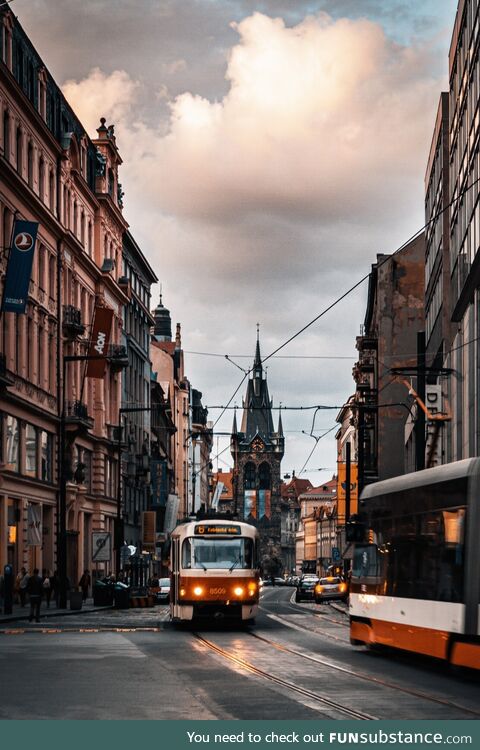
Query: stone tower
x=257, y=450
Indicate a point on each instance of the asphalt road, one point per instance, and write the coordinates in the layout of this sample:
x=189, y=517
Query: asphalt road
x=297, y=662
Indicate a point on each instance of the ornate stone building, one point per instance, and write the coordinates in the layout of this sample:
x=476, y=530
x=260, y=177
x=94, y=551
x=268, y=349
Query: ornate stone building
x=257, y=450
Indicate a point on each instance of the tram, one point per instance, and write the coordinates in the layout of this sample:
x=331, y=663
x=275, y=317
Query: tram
x=214, y=571
x=415, y=580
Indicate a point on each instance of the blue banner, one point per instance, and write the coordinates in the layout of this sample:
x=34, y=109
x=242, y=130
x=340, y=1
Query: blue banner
x=19, y=268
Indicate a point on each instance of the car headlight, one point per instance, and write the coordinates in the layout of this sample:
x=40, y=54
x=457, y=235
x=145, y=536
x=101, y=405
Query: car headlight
x=318, y=589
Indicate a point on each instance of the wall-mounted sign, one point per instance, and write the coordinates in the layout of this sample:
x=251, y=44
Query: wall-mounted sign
x=19, y=268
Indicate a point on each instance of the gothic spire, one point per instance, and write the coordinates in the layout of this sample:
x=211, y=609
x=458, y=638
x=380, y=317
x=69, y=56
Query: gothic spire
x=280, y=425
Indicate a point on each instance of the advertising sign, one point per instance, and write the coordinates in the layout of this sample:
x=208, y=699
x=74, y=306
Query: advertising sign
x=99, y=341
x=264, y=497
x=250, y=504
x=19, y=268
x=34, y=523
x=149, y=522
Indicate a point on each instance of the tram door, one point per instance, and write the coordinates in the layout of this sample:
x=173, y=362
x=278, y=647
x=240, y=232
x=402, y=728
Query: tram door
x=175, y=553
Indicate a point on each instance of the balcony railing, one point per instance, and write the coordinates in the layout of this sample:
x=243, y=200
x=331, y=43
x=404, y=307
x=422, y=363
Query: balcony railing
x=76, y=412
x=117, y=356
x=72, y=321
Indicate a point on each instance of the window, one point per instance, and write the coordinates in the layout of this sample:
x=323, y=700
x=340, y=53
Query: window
x=30, y=164
x=19, y=150
x=30, y=451
x=217, y=553
x=12, y=443
x=46, y=452
x=249, y=476
x=6, y=135
x=41, y=179
x=264, y=479
x=51, y=190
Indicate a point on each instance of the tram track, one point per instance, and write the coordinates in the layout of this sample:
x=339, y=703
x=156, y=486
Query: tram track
x=351, y=713
x=366, y=677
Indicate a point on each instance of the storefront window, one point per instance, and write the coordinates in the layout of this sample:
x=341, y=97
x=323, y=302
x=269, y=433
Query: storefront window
x=12, y=442
x=30, y=451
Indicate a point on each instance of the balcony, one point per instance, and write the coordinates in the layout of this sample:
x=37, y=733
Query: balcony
x=76, y=416
x=5, y=378
x=117, y=356
x=72, y=322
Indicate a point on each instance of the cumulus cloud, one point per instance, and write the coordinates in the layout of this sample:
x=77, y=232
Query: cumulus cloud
x=270, y=200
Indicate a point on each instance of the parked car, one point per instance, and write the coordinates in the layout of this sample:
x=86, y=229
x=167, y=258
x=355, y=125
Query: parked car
x=330, y=588
x=306, y=590
x=280, y=581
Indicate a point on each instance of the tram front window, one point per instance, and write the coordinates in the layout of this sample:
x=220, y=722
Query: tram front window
x=217, y=553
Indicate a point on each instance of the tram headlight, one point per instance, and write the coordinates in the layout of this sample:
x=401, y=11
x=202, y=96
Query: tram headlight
x=252, y=587
x=182, y=592
x=198, y=590
x=238, y=591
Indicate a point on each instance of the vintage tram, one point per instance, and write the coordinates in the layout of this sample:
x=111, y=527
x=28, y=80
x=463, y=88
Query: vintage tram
x=415, y=582
x=214, y=571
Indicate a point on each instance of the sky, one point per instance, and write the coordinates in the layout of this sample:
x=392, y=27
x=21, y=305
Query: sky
x=271, y=149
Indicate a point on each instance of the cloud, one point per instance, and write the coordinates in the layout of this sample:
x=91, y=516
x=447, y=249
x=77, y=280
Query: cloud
x=268, y=201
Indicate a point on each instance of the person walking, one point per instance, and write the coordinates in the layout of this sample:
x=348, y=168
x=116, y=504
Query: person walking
x=85, y=584
x=47, y=586
x=35, y=591
x=22, y=586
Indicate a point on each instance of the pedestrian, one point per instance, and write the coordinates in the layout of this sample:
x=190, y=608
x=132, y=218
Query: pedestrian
x=22, y=586
x=35, y=591
x=47, y=586
x=85, y=584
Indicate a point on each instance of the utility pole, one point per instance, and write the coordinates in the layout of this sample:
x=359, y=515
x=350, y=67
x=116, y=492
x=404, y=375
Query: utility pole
x=348, y=465
x=420, y=420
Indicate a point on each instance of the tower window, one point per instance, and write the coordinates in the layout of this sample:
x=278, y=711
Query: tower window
x=249, y=476
x=264, y=477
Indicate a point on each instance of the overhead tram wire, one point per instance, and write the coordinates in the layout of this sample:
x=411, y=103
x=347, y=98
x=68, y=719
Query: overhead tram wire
x=364, y=278
x=317, y=440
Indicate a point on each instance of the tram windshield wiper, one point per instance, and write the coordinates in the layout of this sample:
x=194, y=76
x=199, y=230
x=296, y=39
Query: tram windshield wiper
x=235, y=562
x=199, y=562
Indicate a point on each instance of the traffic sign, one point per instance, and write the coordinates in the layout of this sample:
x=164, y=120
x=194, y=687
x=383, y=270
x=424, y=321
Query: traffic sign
x=101, y=546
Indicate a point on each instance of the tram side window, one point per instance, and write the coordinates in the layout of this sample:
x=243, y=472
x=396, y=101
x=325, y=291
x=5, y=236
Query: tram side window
x=187, y=554
x=365, y=561
x=429, y=566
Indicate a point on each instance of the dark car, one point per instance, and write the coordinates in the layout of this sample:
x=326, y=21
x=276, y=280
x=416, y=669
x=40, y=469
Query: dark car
x=332, y=587
x=306, y=590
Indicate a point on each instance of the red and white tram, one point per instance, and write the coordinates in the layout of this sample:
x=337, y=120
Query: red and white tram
x=415, y=581
x=214, y=571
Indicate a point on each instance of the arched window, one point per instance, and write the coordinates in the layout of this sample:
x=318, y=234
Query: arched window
x=264, y=476
x=249, y=476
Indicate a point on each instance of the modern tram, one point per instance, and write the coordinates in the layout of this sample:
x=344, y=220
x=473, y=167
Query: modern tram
x=415, y=580
x=214, y=571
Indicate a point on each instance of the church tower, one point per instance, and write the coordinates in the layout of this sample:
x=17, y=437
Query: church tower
x=257, y=450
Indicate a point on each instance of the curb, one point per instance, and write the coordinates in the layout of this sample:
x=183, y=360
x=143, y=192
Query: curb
x=62, y=613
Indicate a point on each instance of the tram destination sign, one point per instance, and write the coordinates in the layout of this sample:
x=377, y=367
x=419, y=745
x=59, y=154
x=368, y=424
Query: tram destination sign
x=205, y=529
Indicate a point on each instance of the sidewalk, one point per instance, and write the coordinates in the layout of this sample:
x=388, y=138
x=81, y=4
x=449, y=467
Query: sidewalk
x=22, y=613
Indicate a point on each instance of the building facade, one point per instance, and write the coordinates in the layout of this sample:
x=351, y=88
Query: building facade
x=53, y=173
x=388, y=340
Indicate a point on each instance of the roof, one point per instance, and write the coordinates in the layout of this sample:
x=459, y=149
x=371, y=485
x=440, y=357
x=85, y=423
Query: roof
x=295, y=487
x=166, y=346
x=325, y=490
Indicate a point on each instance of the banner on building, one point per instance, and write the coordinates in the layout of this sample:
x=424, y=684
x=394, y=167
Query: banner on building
x=34, y=524
x=171, y=513
x=99, y=341
x=264, y=502
x=149, y=524
x=217, y=495
x=19, y=267
x=342, y=487
x=250, y=504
